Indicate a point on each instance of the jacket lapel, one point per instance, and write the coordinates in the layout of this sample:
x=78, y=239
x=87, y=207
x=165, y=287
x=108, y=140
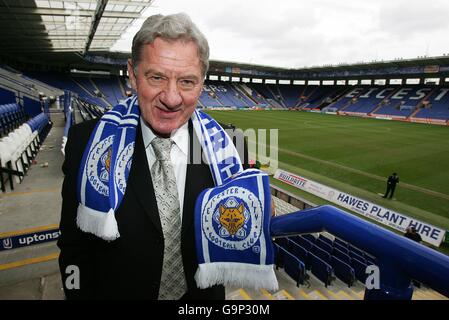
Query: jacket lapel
x=141, y=183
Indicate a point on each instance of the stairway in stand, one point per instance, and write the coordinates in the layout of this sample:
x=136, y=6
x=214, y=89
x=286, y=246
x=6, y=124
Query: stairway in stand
x=315, y=290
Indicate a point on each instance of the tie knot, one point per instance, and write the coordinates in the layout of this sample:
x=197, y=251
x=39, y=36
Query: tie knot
x=162, y=148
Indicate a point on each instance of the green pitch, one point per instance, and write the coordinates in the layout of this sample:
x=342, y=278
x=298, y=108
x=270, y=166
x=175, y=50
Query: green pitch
x=357, y=155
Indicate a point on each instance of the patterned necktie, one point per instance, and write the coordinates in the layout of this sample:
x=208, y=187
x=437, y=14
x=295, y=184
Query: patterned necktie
x=173, y=285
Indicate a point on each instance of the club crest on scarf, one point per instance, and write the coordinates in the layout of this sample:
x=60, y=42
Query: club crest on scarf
x=233, y=219
x=98, y=165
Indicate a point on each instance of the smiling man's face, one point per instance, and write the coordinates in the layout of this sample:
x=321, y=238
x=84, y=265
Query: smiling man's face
x=168, y=83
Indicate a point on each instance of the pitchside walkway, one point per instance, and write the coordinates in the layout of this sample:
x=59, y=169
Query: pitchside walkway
x=32, y=272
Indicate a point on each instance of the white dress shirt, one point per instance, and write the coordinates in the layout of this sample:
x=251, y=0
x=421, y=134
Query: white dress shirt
x=178, y=154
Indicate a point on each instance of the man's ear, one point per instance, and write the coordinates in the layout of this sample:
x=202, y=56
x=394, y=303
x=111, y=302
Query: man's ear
x=132, y=76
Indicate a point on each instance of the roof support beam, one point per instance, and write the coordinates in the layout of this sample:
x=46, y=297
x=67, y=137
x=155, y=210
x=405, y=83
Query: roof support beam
x=142, y=3
x=95, y=22
x=66, y=12
x=17, y=38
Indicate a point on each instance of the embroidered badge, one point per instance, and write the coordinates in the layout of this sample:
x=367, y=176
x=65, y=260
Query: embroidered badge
x=232, y=219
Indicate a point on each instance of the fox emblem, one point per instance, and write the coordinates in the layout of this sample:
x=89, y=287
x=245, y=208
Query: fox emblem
x=106, y=162
x=232, y=219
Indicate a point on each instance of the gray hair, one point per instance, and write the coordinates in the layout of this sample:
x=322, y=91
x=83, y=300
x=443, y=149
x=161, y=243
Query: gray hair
x=171, y=27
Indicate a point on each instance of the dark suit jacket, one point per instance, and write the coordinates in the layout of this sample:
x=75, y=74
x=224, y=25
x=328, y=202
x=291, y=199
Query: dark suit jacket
x=393, y=180
x=129, y=267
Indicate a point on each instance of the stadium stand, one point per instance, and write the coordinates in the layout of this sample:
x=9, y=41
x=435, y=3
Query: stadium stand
x=20, y=147
x=11, y=116
x=81, y=86
x=402, y=103
x=87, y=110
x=110, y=88
x=318, y=95
x=263, y=94
x=394, y=102
x=290, y=95
x=366, y=102
x=321, y=257
x=24, y=122
x=436, y=106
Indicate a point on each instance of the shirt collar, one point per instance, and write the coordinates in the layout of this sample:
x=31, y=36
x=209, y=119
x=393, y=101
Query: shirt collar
x=179, y=136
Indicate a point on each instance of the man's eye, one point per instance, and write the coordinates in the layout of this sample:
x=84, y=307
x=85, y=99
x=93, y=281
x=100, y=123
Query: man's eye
x=187, y=83
x=156, y=78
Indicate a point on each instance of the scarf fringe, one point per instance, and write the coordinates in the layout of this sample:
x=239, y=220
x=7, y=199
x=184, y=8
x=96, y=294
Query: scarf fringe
x=236, y=274
x=99, y=223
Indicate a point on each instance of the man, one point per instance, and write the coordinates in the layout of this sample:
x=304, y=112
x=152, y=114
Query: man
x=411, y=233
x=167, y=69
x=392, y=181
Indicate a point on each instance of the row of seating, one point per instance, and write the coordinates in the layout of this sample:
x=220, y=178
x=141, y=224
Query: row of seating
x=88, y=111
x=294, y=267
x=347, y=253
x=38, y=123
x=326, y=258
x=12, y=116
x=344, y=249
x=308, y=261
x=20, y=147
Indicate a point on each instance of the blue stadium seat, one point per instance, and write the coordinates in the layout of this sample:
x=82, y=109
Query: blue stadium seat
x=342, y=256
x=324, y=245
x=306, y=244
x=295, y=239
x=372, y=260
x=295, y=268
x=357, y=250
x=343, y=271
x=309, y=237
x=322, y=254
x=283, y=242
x=12, y=116
x=326, y=239
x=341, y=242
x=298, y=251
x=342, y=248
x=278, y=256
x=360, y=269
x=355, y=255
x=321, y=269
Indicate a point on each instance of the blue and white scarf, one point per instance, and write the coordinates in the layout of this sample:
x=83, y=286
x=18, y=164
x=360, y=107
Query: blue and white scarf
x=105, y=168
x=232, y=230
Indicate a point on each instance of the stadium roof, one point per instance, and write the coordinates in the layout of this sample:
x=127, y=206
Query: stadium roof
x=43, y=26
x=66, y=34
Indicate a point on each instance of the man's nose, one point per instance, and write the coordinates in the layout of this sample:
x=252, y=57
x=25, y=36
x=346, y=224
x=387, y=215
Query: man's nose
x=171, y=96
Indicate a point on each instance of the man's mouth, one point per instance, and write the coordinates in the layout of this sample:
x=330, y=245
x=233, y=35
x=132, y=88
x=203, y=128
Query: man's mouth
x=165, y=111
